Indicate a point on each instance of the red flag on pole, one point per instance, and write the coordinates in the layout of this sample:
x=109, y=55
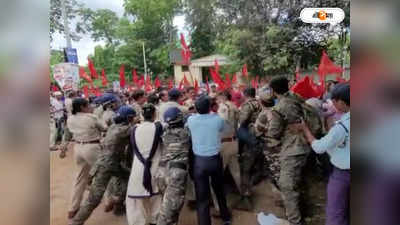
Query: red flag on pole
x=185, y=52
x=306, y=88
x=83, y=74
x=185, y=81
x=135, y=78
x=227, y=81
x=216, y=66
x=327, y=66
x=181, y=85
x=157, y=83
x=93, y=71
x=122, y=76
x=104, y=80
x=148, y=86
x=140, y=82
x=217, y=79
x=234, y=79
x=86, y=91
x=196, y=86
x=244, y=70
x=170, y=85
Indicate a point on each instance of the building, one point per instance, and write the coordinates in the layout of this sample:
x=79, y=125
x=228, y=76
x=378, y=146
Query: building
x=194, y=71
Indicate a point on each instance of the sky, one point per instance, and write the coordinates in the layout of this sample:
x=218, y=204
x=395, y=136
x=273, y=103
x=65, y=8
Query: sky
x=86, y=46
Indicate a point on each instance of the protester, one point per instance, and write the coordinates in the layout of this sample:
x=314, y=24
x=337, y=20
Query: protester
x=337, y=144
x=139, y=98
x=57, y=111
x=205, y=129
x=108, y=164
x=86, y=130
x=143, y=197
x=174, y=96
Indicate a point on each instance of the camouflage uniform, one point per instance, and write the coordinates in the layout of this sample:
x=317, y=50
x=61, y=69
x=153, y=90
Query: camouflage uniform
x=269, y=147
x=175, y=162
x=108, y=165
x=294, y=151
x=139, y=111
x=250, y=164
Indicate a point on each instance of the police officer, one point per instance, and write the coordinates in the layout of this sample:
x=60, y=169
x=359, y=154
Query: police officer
x=269, y=147
x=249, y=157
x=295, y=149
x=108, y=164
x=86, y=129
x=174, y=161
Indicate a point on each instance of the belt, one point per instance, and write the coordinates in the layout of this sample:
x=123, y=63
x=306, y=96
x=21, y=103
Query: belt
x=230, y=139
x=177, y=165
x=88, y=142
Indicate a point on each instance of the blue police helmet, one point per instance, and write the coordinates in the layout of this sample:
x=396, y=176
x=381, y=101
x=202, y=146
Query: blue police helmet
x=126, y=111
x=172, y=115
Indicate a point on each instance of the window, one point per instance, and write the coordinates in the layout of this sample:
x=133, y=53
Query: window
x=185, y=68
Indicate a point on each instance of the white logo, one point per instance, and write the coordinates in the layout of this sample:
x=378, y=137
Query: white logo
x=322, y=15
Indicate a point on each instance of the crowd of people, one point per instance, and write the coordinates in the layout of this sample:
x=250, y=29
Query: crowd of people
x=148, y=151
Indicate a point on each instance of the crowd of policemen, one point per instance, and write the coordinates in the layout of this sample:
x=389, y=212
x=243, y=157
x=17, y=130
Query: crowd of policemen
x=259, y=137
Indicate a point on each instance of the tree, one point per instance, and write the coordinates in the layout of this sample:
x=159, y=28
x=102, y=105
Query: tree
x=102, y=24
x=56, y=19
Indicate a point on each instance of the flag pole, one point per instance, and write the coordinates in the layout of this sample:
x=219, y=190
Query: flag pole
x=144, y=62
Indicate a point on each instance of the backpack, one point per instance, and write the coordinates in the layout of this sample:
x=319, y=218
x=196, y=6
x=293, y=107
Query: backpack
x=313, y=120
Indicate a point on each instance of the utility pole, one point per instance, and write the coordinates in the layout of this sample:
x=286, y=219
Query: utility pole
x=66, y=27
x=144, y=61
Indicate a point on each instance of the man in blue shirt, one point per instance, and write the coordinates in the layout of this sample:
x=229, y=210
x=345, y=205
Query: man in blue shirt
x=205, y=129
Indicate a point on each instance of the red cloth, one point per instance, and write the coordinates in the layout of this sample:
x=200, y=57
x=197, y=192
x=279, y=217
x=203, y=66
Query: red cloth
x=170, y=85
x=83, y=74
x=216, y=66
x=86, y=91
x=185, y=81
x=234, y=79
x=236, y=98
x=122, y=76
x=306, y=88
x=185, y=52
x=326, y=66
x=157, y=83
x=196, y=87
x=148, y=86
x=93, y=71
x=217, y=79
x=244, y=70
x=181, y=85
x=135, y=78
x=227, y=81
x=140, y=82
x=104, y=80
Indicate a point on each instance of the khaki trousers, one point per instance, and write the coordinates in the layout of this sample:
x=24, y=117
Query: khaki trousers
x=142, y=211
x=85, y=155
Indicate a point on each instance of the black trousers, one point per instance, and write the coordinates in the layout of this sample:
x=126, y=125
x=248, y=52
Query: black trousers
x=204, y=169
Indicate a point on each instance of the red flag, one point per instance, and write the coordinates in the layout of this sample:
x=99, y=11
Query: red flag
x=135, y=77
x=140, y=82
x=93, y=71
x=83, y=74
x=54, y=88
x=227, y=81
x=86, y=91
x=103, y=78
x=148, y=86
x=253, y=83
x=207, y=86
x=181, y=85
x=216, y=66
x=244, y=70
x=157, y=83
x=185, y=81
x=327, y=66
x=185, y=52
x=170, y=85
x=122, y=76
x=306, y=88
x=234, y=79
x=217, y=79
x=97, y=92
x=196, y=86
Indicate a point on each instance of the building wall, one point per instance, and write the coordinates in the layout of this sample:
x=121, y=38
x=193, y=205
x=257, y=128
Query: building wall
x=194, y=74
